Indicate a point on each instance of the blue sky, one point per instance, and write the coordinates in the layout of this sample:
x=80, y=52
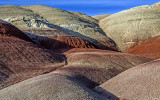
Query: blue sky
x=89, y=7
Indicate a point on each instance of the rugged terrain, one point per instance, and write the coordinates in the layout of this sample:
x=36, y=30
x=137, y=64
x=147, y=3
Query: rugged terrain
x=48, y=53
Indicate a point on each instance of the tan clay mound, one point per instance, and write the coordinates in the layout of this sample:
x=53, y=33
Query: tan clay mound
x=74, y=24
x=131, y=27
x=50, y=87
x=150, y=48
x=21, y=60
x=6, y=29
x=98, y=66
x=100, y=17
x=138, y=83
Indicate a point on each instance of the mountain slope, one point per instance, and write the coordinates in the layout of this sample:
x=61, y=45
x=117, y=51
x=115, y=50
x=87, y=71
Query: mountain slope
x=73, y=24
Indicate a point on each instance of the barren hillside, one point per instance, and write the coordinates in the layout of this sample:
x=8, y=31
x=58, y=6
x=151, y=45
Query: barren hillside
x=133, y=26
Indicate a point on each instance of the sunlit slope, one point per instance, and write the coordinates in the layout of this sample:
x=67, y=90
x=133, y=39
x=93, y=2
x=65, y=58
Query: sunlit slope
x=131, y=27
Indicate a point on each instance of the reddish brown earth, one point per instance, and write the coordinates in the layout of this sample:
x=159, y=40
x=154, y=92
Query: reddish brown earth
x=63, y=43
x=150, y=48
x=73, y=42
x=58, y=40
x=6, y=29
x=93, y=66
x=138, y=83
x=20, y=59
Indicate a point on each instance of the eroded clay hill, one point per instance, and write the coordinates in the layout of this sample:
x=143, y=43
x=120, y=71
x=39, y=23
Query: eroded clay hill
x=150, y=48
x=21, y=59
x=74, y=24
x=48, y=87
x=47, y=18
x=131, y=27
x=94, y=66
x=138, y=83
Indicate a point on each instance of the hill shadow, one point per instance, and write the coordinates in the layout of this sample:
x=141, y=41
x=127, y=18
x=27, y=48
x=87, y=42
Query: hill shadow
x=56, y=45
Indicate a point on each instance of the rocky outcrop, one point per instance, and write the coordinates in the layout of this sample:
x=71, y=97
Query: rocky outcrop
x=131, y=27
x=138, y=83
x=150, y=48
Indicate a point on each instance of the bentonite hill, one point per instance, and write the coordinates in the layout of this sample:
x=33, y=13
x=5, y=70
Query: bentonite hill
x=48, y=53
